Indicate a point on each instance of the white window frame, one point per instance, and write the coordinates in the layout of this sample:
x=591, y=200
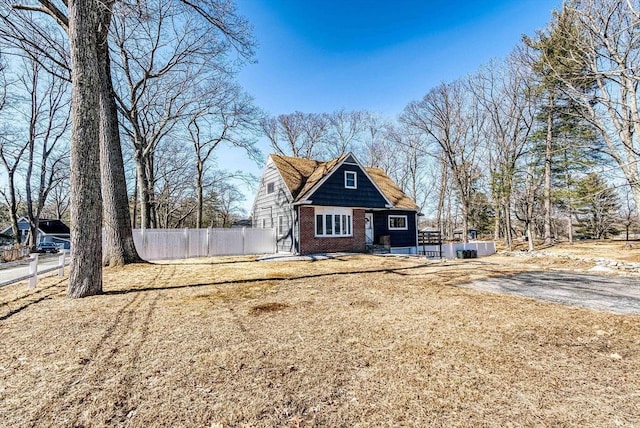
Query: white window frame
x=355, y=179
x=343, y=217
x=280, y=225
x=406, y=222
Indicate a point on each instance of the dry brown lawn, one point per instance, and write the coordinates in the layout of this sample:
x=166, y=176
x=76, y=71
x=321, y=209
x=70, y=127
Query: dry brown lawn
x=355, y=341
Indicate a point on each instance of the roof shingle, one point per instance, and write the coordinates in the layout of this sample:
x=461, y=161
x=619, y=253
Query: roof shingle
x=301, y=175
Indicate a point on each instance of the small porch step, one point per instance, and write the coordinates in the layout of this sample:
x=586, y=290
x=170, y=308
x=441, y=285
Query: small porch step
x=378, y=249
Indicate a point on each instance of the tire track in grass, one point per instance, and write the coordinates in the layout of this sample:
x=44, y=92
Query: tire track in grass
x=118, y=363
x=96, y=364
x=123, y=406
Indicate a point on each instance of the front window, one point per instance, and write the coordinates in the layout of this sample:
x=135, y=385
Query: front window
x=398, y=222
x=350, y=180
x=334, y=222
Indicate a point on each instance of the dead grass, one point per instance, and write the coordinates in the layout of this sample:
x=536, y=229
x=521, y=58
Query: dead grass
x=628, y=251
x=355, y=341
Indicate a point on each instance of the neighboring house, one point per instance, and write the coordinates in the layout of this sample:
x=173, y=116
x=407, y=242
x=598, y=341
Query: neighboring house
x=48, y=231
x=333, y=206
x=245, y=222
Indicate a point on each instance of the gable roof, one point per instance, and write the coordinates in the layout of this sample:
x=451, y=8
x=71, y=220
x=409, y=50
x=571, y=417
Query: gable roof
x=302, y=175
x=391, y=190
x=46, y=226
x=53, y=227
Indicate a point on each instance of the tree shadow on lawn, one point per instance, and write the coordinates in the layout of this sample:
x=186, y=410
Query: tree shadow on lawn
x=210, y=263
x=38, y=291
x=397, y=271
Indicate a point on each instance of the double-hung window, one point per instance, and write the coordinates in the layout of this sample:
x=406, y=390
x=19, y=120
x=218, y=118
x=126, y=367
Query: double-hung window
x=280, y=225
x=334, y=222
x=350, y=180
x=271, y=187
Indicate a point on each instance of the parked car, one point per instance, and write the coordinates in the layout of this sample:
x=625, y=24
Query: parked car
x=47, y=247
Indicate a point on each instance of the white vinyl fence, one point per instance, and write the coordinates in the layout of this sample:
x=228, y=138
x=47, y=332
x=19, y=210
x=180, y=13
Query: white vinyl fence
x=484, y=248
x=33, y=269
x=164, y=244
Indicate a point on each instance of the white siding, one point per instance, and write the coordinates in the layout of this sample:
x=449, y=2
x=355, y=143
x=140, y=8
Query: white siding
x=268, y=207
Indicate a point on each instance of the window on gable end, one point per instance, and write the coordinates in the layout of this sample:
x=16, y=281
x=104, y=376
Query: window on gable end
x=271, y=187
x=350, y=180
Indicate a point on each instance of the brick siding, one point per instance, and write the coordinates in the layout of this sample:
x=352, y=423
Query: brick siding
x=309, y=244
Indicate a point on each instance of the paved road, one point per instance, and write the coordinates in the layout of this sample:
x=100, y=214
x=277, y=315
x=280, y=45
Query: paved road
x=607, y=293
x=45, y=261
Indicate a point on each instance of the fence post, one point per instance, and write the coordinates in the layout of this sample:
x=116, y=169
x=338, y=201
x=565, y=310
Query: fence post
x=244, y=250
x=144, y=241
x=33, y=270
x=274, y=236
x=186, y=243
x=208, y=241
x=61, y=260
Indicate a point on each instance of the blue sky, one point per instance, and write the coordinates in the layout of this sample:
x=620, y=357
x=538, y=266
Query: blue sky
x=320, y=56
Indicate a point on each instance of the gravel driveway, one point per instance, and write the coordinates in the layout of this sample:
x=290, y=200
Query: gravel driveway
x=614, y=294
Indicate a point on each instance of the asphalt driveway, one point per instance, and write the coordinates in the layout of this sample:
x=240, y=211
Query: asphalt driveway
x=614, y=294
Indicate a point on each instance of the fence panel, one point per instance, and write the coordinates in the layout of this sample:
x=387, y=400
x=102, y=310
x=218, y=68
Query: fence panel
x=165, y=244
x=226, y=242
x=484, y=248
x=260, y=241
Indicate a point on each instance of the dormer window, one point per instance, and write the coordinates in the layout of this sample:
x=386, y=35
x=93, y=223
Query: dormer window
x=350, y=180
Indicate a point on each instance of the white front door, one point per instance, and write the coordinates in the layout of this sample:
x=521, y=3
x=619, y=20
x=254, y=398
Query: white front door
x=368, y=228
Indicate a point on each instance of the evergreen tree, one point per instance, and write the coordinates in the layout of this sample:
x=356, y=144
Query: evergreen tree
x=596, y=207
x=565, y=140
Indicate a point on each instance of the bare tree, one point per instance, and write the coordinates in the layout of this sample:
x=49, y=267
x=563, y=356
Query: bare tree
x=454, y=122
x=628, y=212
x=297, y=134
x=506, y=94
x=58, y=206
x=227, y=204
x=372, y=150
x=227, y=117
x=527, y=202
x=48, y=120
x=345, y=131
x=12, y=150
x=175, y=199
x=605, y=48
x=411, y=163
x=164, y=49
x=27, y=34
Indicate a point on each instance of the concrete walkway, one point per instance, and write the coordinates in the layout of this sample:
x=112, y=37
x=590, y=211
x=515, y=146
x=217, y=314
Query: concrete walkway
x=607, y=293
x=288, y=257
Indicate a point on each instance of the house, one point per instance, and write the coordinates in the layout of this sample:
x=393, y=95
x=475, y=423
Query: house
x=48, y=231
x=333, y=206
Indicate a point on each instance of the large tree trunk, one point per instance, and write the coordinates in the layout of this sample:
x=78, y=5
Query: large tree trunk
x=143, y=191
x=119, y=248
x=86, y=202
